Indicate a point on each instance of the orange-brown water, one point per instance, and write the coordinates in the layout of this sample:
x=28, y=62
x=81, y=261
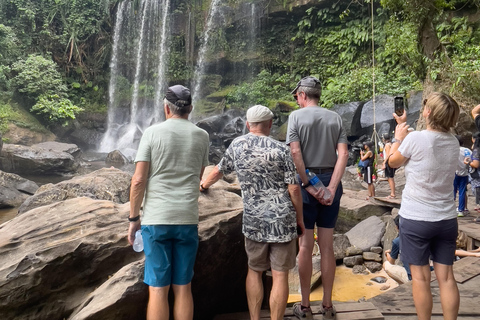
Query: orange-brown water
x=348, y=286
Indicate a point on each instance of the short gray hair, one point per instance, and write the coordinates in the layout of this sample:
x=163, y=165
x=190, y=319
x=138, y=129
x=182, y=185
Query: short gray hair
x=179, y=111
x=312, y=93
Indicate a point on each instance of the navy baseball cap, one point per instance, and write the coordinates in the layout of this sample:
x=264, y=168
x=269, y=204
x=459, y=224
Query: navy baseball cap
x=179, y=95
x=308, y=82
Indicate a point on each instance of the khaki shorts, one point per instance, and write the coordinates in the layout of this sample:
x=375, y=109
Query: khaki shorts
x=278, y=256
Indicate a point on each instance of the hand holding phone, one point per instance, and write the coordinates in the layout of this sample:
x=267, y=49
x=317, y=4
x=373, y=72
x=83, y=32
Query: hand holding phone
x=399, y=106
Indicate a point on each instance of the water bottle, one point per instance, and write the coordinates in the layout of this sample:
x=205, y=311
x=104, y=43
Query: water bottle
x=138, y=243
x=317, y=184
x=467, y=153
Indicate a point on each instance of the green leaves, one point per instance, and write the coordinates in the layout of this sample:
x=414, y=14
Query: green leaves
x=55, y=109
x=37, y=75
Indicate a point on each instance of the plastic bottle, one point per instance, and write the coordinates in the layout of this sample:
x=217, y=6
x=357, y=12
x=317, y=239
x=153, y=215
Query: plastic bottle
x=317, y=184
x=467, y=153
x=138, y=243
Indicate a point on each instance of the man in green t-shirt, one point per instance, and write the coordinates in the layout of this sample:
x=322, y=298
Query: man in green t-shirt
x=170, y=160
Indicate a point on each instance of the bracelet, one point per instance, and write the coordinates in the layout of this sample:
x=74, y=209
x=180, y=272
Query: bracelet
x=134, y=219
x=396, y=140
x=203, y=188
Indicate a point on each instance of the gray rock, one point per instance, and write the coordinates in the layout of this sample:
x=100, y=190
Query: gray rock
x=14, y=189
x=73, y=259
x=371, y=256
x=117, y=158
x=391, y=232
x=376, y=249
x=367, y=233
x=360, y=269
x=104, y=184
x=340, y=245
x=352, y=261
x=353, y=251
x=379, y=279
x=354, y=210
x=373, y=266
x=47, y=158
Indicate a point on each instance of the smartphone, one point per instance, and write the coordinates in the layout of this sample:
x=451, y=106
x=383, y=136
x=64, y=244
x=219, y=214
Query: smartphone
x=399, y=106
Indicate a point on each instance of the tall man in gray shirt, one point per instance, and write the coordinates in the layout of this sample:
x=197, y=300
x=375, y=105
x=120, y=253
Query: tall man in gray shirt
x=318, y=143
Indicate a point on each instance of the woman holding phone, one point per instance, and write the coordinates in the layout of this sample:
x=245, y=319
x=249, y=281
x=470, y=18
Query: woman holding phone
x=428, y=224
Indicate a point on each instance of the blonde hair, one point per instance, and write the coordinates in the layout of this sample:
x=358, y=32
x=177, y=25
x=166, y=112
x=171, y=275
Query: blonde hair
x=444, y=111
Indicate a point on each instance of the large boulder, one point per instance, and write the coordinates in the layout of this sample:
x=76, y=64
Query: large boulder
x=14, y=190
x=54, y=255
x=70, y=259
x=354, y=209
x=25, y=136
x=367, y=233
x=104, y=184
x=47, y=158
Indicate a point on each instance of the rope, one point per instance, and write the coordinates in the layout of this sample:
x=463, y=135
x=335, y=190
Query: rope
x=375, y=134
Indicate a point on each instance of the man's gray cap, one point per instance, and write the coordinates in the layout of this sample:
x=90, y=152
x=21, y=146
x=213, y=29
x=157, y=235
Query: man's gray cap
x=259, y=113
x=308, y=82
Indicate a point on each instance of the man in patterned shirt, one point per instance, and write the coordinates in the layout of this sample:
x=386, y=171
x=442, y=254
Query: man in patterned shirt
x=272, y=207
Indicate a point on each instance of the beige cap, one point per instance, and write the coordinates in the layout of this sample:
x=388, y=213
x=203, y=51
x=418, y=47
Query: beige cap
x=259, y=113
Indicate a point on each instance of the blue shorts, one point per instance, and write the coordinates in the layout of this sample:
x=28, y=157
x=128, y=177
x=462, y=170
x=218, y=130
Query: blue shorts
x=170, y=252
x=421, y=240
x=316, y=213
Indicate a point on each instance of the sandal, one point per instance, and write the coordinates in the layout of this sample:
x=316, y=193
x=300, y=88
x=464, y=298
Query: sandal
x=391, y=197
x=476, y=220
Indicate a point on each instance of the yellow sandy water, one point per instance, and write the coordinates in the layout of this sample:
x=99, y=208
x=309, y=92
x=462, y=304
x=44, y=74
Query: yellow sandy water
x=348, y=286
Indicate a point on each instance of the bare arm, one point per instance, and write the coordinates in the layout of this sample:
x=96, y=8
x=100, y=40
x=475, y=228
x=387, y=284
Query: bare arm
x=396, y=159
x=300, y=165
x=213, y=177
x=296, y=197
x=389, y=257
x=137, y=191
x=366, y=155
x=463, y=253
x=338, y=171
x=476, y=112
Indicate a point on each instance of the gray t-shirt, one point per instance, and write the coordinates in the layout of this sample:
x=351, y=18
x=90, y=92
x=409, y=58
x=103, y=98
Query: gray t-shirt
x=177, y=150
x=265, y=168
x=319, y=131
x=433, y=158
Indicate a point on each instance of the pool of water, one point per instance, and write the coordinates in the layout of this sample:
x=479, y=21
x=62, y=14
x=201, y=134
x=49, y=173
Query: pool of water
x=351, y=287
x=7, y=214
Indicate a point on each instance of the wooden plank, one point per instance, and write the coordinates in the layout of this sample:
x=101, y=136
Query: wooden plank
x=359, y=315
x=466, y=268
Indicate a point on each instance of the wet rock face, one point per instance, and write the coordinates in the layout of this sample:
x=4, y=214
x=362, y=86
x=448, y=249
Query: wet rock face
x=104, y=184
x=116, y=158
x=47, y=158
x=14, y=189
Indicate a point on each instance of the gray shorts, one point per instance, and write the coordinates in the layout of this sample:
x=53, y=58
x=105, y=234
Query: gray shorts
x=278, y=256
x=420, y=240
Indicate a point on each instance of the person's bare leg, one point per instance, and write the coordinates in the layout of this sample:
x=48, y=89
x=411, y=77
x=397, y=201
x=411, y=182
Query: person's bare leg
x=279, y=294
x=157, y=308
x=327, y=263
x=254, y=288
x=422, y=294
x=449, y=295
x=371, y=190
x=305, y=265
x=183, y=303
x=391, y=183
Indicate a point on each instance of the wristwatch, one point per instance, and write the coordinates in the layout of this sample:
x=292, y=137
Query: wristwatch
x=134, y=219
x=304, y=185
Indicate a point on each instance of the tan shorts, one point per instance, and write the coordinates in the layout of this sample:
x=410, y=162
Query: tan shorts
x=278, y=256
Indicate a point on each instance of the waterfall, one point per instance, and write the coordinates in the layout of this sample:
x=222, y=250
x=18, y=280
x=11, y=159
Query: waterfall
x=138, y=73
x=200, y=67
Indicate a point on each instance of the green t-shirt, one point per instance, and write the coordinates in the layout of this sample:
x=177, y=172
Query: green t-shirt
x=177, y=150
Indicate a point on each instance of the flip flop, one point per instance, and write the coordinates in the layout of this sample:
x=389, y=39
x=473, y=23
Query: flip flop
x=391, y=197
x=476, y=220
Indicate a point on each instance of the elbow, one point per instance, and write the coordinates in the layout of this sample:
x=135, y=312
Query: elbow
x=296, y=153
x=138, y=181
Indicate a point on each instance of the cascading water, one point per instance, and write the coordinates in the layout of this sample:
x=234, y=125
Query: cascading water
x=213, y=13
x=138, y=68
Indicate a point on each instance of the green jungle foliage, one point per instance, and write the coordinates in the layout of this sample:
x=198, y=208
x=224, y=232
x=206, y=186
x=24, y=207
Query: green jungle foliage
x=55, y=54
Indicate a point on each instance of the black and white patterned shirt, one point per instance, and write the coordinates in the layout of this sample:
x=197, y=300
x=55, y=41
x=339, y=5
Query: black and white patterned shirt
x=264, y=167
